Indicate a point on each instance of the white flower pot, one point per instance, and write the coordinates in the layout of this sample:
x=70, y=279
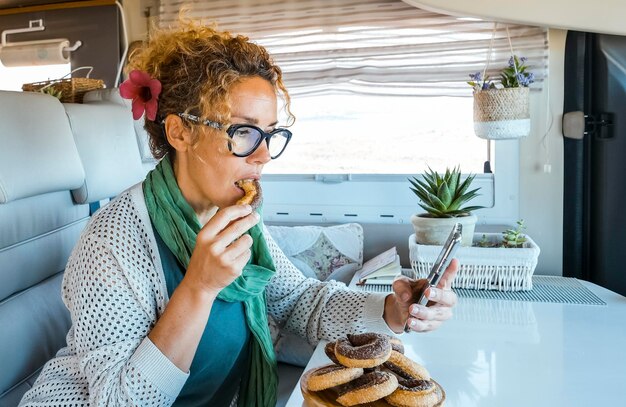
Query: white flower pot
x=435, y=231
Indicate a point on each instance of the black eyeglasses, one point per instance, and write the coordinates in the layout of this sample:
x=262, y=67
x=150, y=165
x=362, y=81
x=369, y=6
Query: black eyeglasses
x=246, y=138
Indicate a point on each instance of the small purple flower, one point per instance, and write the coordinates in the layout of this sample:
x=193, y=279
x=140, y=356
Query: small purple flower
x=511, y=62
x=476, y=77
x=525, y=79
x=523, y=60
x=486, y=85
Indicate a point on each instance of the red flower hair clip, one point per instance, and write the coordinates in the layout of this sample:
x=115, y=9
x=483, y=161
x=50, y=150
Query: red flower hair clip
x=144, y=92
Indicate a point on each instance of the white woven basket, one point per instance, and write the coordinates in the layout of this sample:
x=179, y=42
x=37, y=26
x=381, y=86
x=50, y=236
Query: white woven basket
x=483, y=268
x=501, y=114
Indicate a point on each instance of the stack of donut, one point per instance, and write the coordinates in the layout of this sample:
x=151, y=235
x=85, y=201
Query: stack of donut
x=371, y=366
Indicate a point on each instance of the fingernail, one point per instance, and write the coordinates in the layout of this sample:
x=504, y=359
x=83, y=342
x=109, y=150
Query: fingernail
x=257, y=216
x=432, y=294
x=405, y=297
x=415, y=310
x=413, y=323
x=248, y=208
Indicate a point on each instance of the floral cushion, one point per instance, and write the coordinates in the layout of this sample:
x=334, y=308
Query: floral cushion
x=324, y=253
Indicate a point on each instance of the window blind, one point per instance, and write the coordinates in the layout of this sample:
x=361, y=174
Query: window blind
x=370, y=47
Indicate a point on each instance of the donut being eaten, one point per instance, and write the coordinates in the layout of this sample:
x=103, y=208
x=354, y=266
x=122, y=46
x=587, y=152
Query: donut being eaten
x=252, y=192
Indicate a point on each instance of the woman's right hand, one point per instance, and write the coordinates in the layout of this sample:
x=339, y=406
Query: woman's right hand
x=222, y=249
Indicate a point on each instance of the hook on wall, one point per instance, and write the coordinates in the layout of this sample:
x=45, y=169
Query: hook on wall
x=33, y=25
x=74, y=47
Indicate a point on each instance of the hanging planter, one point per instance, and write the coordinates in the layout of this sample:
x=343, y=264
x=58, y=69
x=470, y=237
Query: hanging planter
x=501, y=108
x=501, y=114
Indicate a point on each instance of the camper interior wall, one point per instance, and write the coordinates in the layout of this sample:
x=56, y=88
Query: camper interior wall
x=540, y=164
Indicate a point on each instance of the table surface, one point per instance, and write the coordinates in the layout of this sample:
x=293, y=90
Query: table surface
x=495, y=353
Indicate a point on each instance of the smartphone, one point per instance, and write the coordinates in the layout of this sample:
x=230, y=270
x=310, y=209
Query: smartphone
x=443, y=260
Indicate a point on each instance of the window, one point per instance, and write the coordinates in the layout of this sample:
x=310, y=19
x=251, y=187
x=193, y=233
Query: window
x=357, y=134
x=14, y=77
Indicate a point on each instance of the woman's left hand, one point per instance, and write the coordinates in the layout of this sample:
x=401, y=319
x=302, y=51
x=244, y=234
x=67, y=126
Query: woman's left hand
x=400, y=308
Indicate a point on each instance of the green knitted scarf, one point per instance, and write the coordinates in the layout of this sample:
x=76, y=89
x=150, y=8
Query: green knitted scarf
x=178, y=226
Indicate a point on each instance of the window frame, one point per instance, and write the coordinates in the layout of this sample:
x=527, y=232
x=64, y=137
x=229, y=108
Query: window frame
x=341, y=198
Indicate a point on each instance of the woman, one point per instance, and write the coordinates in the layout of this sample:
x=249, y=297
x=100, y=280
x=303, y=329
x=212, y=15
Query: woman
x=170, y=284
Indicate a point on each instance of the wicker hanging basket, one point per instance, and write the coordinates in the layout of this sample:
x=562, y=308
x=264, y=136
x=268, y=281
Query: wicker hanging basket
x=67, y=90
x=501, y=114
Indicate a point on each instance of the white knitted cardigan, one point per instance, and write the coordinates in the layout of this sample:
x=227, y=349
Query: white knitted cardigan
x=115, y=291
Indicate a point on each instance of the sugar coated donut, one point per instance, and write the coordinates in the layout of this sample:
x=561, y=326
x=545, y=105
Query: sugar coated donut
x=329, y=376
x=252, y=190
x=405, y=367
x=369, y=387
x=329, y=349
x=363, y=350
x=414, y=393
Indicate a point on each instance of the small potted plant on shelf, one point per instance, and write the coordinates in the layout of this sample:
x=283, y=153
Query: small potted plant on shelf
x=502, y=261
x=501, y=108
x=514, y=237
x=444, y=198
x=511, y=238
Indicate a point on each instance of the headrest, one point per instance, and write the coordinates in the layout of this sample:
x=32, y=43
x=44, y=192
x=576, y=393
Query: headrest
x=37, y=153
x=106, y=144
x=108, y=95
x=112, y=95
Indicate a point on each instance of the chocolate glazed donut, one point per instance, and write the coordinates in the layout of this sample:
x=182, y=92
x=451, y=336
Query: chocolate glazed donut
x=414, y=393
x=363, y=350
x=396, y=344
x=369, y=387
x=329, y=349
x=405, y=367
x=329, y=376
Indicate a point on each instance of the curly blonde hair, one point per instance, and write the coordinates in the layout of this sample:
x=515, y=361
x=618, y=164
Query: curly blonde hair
x=197, y=66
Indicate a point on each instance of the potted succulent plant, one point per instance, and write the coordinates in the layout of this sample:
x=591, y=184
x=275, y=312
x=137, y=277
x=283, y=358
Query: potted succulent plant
x=513, y=237
x=444, y=198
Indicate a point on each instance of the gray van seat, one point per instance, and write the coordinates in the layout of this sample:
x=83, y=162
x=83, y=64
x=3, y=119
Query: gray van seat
x=49, y=149
x=112, y=96
x=54, y=160
x=39, y=225
x=107, y=148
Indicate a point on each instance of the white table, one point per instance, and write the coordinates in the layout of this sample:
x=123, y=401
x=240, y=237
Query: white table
x=498, y=353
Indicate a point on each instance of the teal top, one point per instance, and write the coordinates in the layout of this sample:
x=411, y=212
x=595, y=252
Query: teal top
x=222, y=358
